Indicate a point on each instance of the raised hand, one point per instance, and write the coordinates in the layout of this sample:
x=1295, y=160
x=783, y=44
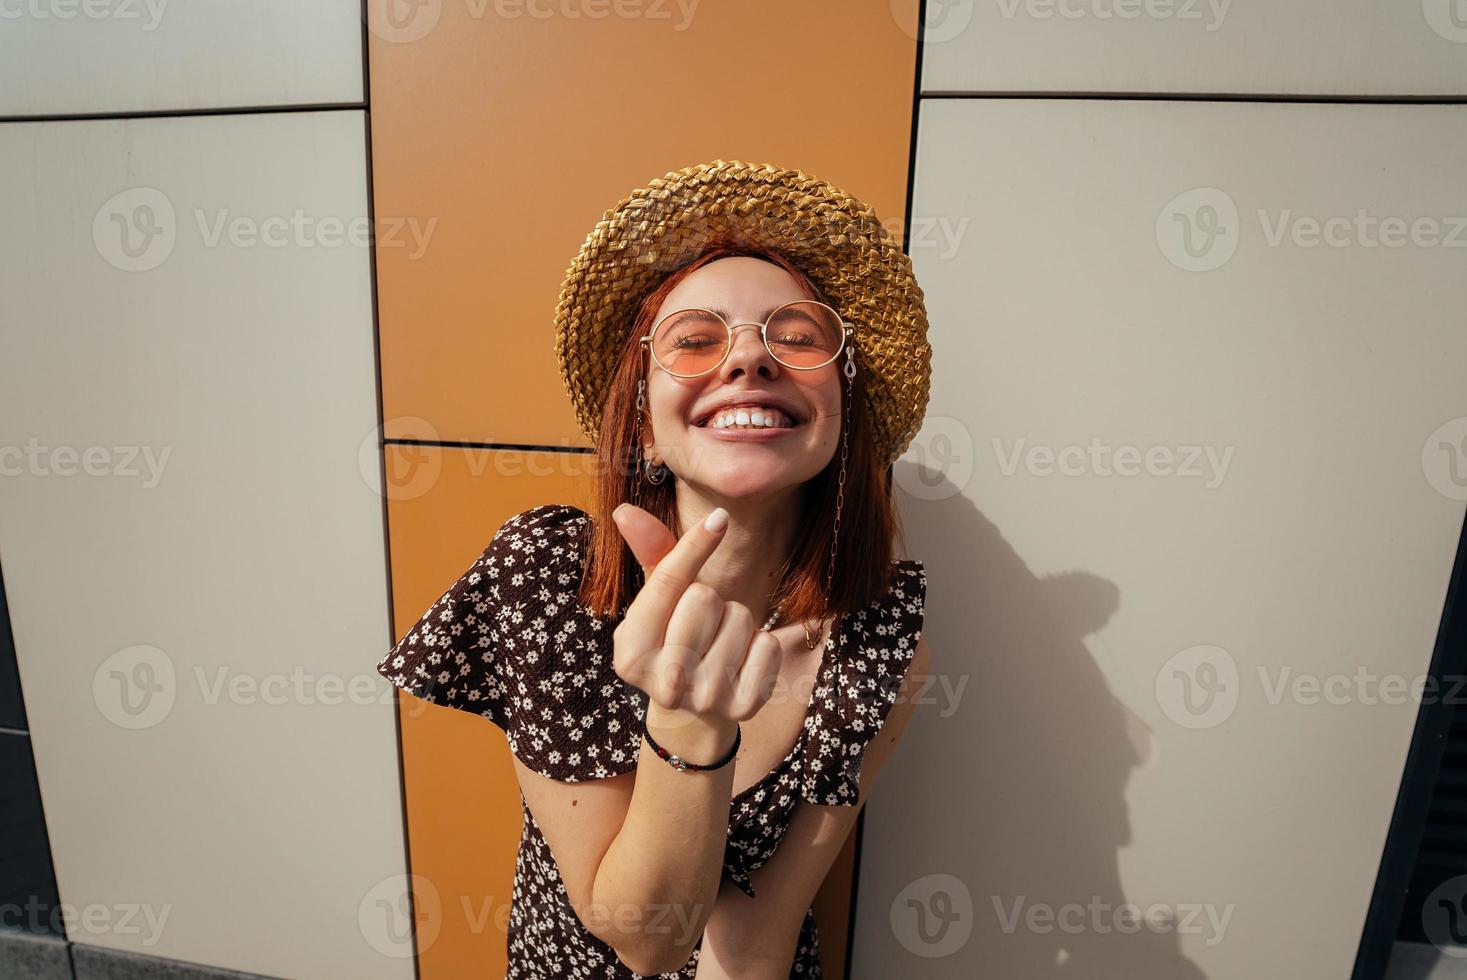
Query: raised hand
x=680, y=641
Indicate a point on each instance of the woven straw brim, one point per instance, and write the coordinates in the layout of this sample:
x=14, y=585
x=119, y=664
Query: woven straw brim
x=835, y=239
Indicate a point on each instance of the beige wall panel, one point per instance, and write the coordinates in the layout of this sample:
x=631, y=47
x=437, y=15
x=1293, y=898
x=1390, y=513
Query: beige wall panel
x=1283, y=47
x=1189, y=492
x=92, y=56
x=196, y=503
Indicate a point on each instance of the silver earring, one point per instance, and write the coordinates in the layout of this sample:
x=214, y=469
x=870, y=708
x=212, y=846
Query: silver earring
x=656, y=472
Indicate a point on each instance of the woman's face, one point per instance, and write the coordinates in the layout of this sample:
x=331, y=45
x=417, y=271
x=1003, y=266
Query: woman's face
x=735, y=462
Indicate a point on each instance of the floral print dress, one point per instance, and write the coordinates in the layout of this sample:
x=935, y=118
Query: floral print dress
x=510, y=642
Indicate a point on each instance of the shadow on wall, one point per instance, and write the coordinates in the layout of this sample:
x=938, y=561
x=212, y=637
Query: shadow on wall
x=1041, y=754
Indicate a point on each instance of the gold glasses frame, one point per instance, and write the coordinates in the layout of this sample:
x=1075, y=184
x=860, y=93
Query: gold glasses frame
x=847, y=332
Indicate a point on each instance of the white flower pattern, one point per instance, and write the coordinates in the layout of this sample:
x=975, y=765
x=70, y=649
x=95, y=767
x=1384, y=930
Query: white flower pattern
x=511, y=642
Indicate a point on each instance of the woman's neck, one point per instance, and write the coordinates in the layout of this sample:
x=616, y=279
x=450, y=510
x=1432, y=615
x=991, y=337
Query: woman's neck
x=760, y=536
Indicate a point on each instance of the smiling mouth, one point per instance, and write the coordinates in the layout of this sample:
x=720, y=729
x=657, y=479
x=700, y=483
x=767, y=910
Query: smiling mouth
x=748, y=419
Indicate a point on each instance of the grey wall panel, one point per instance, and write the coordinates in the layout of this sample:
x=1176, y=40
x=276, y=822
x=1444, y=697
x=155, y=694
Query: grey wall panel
x=1292, y=47
x=192, y=533
x=94, y=56
x=1189, y=492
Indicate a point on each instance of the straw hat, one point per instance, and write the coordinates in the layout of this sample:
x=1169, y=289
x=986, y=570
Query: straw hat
x=832, y=237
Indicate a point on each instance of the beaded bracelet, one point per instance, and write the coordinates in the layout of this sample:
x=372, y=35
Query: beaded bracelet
x=683, y=765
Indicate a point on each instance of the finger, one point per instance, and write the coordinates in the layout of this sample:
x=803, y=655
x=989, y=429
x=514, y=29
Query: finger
x=670, y=577
x=718, y=672
x=695, y=621
x=758, y=676
x=671, y=678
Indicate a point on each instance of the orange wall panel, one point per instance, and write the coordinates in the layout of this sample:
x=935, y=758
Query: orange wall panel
x=504, y=139
x=462, y=798
x=499, y=137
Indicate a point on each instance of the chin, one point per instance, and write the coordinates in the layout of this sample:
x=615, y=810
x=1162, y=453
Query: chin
x=740, y=481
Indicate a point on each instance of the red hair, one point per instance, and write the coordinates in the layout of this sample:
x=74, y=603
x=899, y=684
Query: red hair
x=868, y=519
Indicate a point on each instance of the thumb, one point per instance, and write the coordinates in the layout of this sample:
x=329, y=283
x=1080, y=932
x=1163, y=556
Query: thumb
x=649, y=539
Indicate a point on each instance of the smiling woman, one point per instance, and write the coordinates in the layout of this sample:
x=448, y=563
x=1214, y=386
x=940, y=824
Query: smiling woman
x=682, y=799
x=793, y=470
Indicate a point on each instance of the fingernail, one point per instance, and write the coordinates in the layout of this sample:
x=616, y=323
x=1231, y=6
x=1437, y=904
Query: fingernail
x=716, y=520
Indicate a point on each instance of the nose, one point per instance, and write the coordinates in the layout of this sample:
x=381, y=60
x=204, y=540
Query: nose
x=747, y=353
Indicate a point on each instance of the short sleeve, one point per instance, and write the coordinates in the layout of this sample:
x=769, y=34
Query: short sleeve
x=876, y=645
x=511, y=642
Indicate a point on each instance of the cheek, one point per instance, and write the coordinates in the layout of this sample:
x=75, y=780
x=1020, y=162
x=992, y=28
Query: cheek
x=669, y=412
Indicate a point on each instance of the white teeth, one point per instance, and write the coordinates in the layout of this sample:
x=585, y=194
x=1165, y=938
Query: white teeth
x=750, y=418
